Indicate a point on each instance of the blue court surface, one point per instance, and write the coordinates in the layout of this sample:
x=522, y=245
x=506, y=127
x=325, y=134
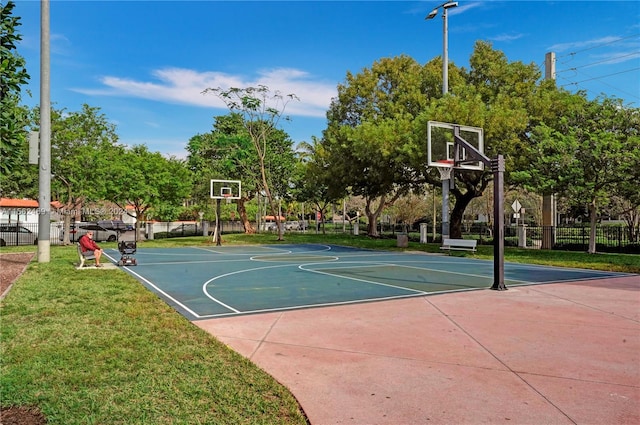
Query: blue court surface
x=209, y=282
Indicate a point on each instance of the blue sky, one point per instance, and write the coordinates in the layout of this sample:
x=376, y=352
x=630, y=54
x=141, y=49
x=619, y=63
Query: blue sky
x=145, y=63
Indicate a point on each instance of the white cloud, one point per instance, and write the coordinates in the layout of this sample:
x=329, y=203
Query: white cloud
x=561, y=47
x=506, y=37
x=185, y=86
x=611, y=58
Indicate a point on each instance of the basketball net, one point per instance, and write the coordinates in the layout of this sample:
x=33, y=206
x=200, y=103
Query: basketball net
x=445, y=172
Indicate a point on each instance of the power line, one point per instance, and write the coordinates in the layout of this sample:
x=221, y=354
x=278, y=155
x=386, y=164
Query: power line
x=598, y=45
x=611, y=61
x=615, y=58
x=608, y=75
x=635, y=95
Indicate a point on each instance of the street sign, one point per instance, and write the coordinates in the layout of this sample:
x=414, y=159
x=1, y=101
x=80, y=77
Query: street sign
x=516, y=206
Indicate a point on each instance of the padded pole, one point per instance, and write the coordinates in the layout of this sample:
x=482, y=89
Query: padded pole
x=497, y=166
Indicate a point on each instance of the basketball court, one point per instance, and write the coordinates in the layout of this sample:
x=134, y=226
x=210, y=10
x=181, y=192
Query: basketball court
x=375, y=337
x=369, y=337
x=208, y=282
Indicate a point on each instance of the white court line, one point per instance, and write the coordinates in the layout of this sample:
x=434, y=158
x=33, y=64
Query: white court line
x=266, y=248
x=459, y=273
x=173, y=263
x=298, y=307
x=301, y=267
x=129, y=270
x=206, y=284
x=292, y=252
x=268, y=259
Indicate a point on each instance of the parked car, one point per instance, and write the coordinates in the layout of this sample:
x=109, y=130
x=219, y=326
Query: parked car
x=117, y=225
x=12, y=234
x=292, y=225
x=100, y=234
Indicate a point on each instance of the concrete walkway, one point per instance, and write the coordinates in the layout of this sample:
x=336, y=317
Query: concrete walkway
x=546, y=354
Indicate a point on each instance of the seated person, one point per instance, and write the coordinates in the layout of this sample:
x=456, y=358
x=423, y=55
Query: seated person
x=89, y=247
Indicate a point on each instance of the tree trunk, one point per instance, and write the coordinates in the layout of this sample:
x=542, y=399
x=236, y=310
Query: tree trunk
x=592, y=230
x=66, y=240
x=632, y=219
x=242, y=211
x=70, y=210
x=140, y=232
x=457, y=215
x=372, y=216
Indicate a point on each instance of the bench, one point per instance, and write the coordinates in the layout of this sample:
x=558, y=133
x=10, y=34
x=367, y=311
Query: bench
x=459, y=245
x=83, y=258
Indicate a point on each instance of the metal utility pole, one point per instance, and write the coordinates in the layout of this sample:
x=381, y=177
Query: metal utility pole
x=44, y=175
x=445, y=44
x=549, y=200
x=446, y=178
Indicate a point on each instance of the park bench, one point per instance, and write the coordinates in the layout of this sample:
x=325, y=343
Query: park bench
x=82, y=257
x=459, y=245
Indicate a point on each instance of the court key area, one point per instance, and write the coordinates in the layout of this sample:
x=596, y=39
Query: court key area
x=221, y=281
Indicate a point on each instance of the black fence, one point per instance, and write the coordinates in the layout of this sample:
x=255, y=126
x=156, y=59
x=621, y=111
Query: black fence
x=608, y=239
x=569, y=238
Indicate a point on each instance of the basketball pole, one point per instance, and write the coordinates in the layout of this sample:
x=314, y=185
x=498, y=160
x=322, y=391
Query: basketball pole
x=497, y=167
x=218, y=236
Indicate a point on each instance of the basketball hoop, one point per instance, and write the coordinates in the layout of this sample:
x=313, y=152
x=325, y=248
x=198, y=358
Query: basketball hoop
x=446, y=169
x=227, y=197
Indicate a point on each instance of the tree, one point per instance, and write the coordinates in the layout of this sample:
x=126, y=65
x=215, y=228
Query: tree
x=261, y=110
x=313, y=178
x=13, y=74
x=83, y=145
x=372, y=165
x=409, y=209
x=627, y=206
x=506, y=99
x=145, y=180
x=227, y=152
x=377, y=123
x=224, y=153
x=591, y=152
x=370, y=132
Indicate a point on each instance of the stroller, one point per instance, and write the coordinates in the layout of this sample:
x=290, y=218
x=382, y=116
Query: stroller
x=127, y=249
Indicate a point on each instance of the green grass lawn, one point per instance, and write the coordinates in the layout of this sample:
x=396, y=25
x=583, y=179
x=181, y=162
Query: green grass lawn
x=96, y=347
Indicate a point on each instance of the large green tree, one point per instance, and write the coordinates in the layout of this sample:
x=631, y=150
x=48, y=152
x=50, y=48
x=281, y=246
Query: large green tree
x=313, y=178
x=378, y=123
x=13, y=74
x=369, y=138
x=228, y=153
x=145, y=180
x=507, y=100
x=589, y=154
x=83, y=145
x=261, y=110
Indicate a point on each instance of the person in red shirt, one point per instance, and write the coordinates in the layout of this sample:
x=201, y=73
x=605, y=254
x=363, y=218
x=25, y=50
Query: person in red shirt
x=89, y=247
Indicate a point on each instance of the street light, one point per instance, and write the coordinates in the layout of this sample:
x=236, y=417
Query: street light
x=445, y=88
x=445, y=49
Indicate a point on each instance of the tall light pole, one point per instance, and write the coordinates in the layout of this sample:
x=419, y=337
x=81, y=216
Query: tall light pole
x=445, y=45
x=444, y=177
x=44, y=173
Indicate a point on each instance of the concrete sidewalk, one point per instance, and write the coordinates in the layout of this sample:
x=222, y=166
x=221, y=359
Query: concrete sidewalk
x=547, y=354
